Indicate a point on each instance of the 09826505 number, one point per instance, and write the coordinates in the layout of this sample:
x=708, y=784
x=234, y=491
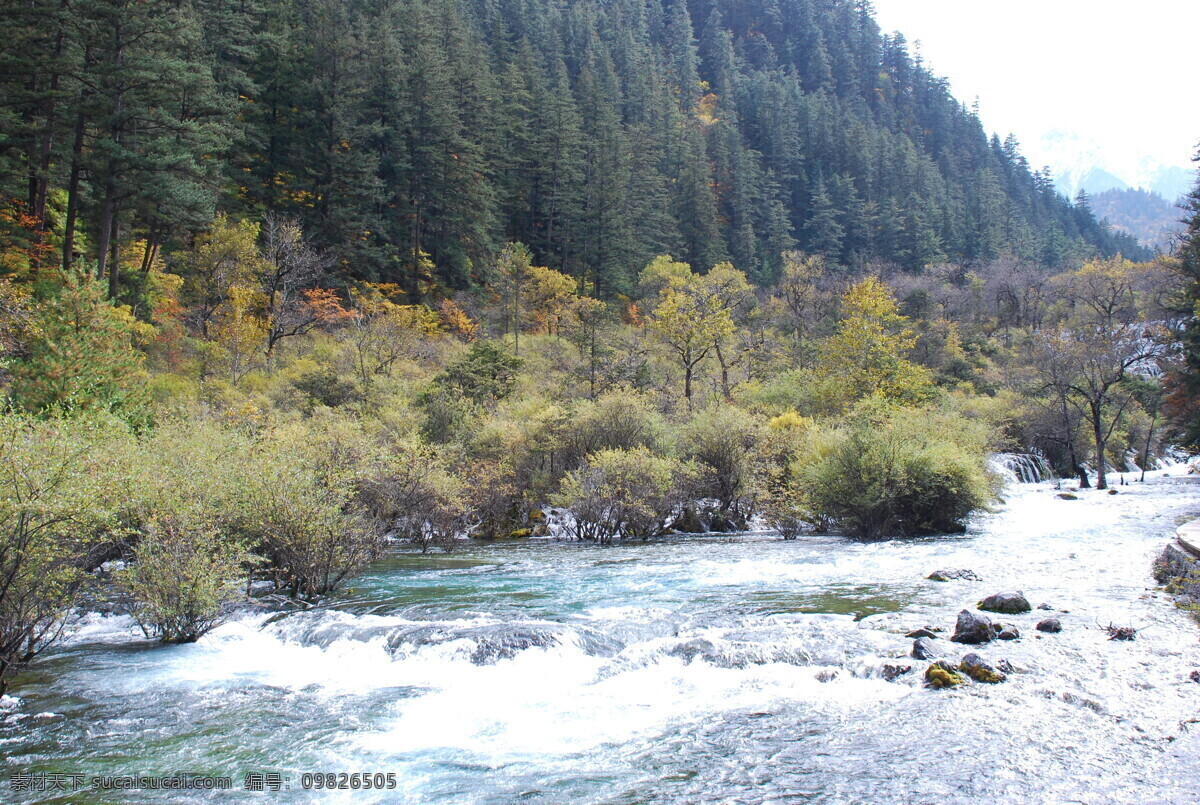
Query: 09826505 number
x=347, y=782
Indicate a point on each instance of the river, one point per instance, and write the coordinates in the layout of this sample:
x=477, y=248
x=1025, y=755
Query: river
x=701, y=669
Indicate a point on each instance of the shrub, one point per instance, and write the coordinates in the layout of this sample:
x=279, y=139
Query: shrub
x=619, y=420
x=895, y=472
x=58, y=480
x=628, y=494
x=722, y=440
x=779, y=500
x=413, y=492
x=447, y=415
x=324, y=387
x=304, y=508
x=183, y=579
x=487, y=373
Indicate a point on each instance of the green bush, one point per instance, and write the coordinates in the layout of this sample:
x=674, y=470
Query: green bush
x=618, y=420
x=290, y=493
x=183, y=580
x=486, y=374
x=627, y=494
x=780, y=443
x=60, y=482
x=80, y=356
x=324, y=387
x=303, y=509
x=412, y=492
x=722, y=440
x=895, y=472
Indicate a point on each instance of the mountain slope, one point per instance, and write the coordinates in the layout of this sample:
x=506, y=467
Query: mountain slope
x=1145, y=215
x=414, y=137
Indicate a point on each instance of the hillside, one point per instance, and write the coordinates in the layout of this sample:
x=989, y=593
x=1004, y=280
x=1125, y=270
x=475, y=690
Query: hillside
x=1142, y=214
x=413, y=139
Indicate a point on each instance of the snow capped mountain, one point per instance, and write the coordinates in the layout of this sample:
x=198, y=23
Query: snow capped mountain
x=1079, y=163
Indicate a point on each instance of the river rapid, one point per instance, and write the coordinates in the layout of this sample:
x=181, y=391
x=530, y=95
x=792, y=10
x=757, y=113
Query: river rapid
x=715, y=669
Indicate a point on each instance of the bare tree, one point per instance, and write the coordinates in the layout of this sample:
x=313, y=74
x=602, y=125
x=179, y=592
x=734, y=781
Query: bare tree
x=290, y=274
x=1101, y=339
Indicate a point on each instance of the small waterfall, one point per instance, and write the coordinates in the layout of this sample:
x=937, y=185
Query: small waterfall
x=1169, y=457
x=1024, y=468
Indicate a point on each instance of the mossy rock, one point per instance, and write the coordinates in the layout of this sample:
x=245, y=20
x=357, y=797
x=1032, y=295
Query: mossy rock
x=941, y=675
x=520, y=533
x=973, y=666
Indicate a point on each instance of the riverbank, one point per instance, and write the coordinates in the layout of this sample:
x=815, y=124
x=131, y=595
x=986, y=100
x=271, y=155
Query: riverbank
x=722, y=668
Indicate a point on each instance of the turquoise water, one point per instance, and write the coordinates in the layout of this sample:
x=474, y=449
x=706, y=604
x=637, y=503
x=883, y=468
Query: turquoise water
x=701, y=669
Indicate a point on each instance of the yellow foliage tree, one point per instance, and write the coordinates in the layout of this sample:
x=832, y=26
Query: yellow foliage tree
x=868, y=354
x=240, y=331
x=690, y=323
x=549, y=294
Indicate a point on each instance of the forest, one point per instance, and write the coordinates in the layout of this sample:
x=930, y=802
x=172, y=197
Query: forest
x=286, y=285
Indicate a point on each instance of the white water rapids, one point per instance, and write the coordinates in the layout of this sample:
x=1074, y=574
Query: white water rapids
x=701, y=669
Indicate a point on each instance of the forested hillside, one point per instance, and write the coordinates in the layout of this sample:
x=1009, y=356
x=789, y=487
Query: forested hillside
x=412, y=139
x=1156, y=222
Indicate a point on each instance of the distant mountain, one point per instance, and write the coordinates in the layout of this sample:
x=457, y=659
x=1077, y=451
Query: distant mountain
x=1079, y=163
x=1144, y=214
x=1096, y=180
x=1173, y=182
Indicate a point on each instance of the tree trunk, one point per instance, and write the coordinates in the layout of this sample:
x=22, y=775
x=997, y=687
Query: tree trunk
x=104, y=235
x=73, y=190
x=1146, y=449
x=1098, y=431
x=724, y=372
x=113, y=247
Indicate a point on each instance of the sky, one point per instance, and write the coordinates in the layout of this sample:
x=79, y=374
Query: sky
x=1109, y=82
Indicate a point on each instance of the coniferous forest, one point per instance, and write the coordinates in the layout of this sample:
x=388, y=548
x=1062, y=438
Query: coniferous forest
x=413, y=139
x=521, y=395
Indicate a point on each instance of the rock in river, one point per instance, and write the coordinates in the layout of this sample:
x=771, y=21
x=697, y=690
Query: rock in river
x=1049, y=625
x=941, y=674
x=973, y=666
x=1010, y=602
x=925, y=649
x=950, y=574
x=1009, y=632
x=915, y=633
x=973, y=628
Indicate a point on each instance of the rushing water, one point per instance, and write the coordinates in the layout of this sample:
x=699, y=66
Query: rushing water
x=704, y=669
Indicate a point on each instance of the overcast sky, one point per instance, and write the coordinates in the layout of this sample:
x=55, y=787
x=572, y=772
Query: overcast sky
x=1121, y=75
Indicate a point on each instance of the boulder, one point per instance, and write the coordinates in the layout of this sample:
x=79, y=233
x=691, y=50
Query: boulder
x=891, y=672
x=973, y=628
x=925, y=649
x=921, y=633
x=942, y=674
x=950, y=574
x=1045, y=607
x=1009, y=632
x=1010, y=602
x=973, y=666
x=1051, y=625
